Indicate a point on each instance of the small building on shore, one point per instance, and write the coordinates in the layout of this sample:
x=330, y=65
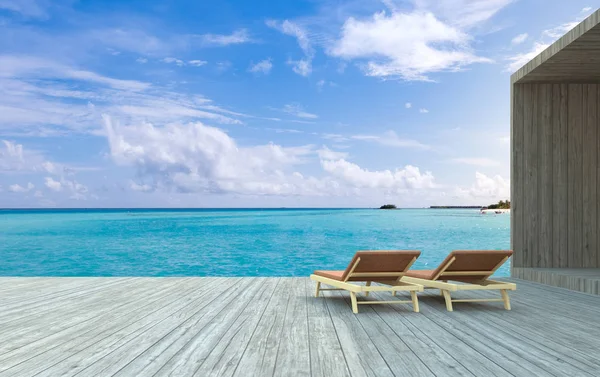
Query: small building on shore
x=555, y=162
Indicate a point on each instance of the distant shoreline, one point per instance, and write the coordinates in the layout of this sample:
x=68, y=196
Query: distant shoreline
x=456, y=207
x=495, y=211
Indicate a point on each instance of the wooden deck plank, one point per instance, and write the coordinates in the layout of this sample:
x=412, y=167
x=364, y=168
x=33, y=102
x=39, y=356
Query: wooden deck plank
x=50, y=348
x=226, y=354
x=438, y=361
x=117, y=339
x=431, y=336
x=533, y=349
x=149, y=362
x=36, y=329
x=363, y=357
x=196, y=350
x=401, y=359
x=326, y=354
x=260, y=356
x=293, y=353
x=274, y=327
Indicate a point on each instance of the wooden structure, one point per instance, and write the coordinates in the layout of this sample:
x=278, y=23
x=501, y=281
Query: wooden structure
x=274, y=327
x=555, y=162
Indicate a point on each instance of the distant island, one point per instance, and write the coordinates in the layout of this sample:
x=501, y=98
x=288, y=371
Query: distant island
x=501, y=205
x=388, y=206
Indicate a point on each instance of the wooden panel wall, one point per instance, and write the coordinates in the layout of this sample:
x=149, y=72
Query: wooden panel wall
x=555, y=175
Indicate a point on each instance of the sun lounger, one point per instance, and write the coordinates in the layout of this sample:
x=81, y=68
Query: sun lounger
x=471, y=270
x=384, y=267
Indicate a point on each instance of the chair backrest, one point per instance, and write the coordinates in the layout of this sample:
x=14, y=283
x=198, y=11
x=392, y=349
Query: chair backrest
x=471, y=265
x=379, y=265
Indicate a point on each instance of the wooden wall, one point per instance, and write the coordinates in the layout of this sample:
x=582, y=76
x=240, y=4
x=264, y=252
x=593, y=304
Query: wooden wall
x=555, y=175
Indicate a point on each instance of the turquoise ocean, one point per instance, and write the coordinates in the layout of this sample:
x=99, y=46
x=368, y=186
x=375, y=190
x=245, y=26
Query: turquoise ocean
x=232, y=242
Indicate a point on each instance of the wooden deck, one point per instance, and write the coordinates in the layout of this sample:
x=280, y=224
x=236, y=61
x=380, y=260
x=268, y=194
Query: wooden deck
x=274, y=327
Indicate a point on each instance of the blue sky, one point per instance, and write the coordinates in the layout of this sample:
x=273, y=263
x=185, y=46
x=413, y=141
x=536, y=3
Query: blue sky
x=263, y=104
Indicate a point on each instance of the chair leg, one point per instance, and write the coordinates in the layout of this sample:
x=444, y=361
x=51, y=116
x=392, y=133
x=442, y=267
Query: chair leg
x=415, y=301
x=448, y=299
x=394, y=293
x=354, y=304
x=368, y=284
x=318, y=289
x=505, y=298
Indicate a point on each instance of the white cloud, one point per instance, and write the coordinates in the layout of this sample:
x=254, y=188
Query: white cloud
x=28, y=8
x=408, y=178
x=176, y=61
x=423, y=111
x=327, y=154
x=237, y=37
x=391, y=139
x=19, y=188
x=493, y=188
x=519, y=39
x=197, y=63
x=475, y=161
x=263, y=66
x=519, y=60
x=464, y=14
x=505, y=139
x=302, y=66
x=53, y=184
x=15, y=158
x=548, y=37
x=297, y=110
x=408, y=105
x=141, y=60
x=139, y=187
x=586, y=10
x=405, y=45
x=323, y=83
x=73, y=188
x=131, y=40
x=39, y=103
x=34, y=67
x=199, y=158
x=337, y=138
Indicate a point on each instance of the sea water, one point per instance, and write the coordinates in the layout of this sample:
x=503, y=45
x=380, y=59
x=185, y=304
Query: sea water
x=232, y=242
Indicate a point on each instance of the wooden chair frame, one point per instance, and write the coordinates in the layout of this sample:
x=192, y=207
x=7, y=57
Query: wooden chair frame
x=390, y=286
x=440, y=281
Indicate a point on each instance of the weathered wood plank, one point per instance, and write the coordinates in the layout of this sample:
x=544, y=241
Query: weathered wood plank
x=517, y=176
x=597, y=125
x=575, y=173
x=437, y=359
x=113, y=345
x=394, y=348
x=544, y=251
x=41, y=352
x=43, y=330
x=195, y=352
x=590, y=161
x=362, y=355
x=560, y=203
x=260, y=356
x=252, y=326
x=530, y=192
x=326, y=353
x=226, y=354
x=158, y=355
x=293, y=353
